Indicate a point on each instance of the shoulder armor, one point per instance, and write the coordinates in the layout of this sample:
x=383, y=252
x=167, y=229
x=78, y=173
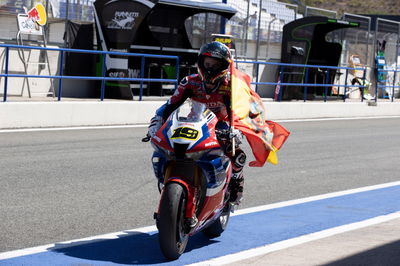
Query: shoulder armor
x=184, y=81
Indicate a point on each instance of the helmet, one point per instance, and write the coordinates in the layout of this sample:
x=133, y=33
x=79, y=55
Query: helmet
x=213, y=74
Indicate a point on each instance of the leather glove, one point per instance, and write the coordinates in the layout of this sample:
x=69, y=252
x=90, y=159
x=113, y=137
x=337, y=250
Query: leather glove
x=155, y=124
x=238, y=135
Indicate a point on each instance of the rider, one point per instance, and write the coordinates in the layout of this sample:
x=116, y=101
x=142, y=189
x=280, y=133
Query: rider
x=210, y=86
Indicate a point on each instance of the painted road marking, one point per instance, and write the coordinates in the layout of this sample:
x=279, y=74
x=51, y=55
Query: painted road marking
x=314, y=198
x=262, y=229
x=247, y=254
x=72, y=243
x=146, y=125
x=33, y=250
x=69, y=128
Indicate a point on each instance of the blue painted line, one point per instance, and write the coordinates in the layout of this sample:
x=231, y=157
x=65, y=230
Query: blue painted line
x=244, y=232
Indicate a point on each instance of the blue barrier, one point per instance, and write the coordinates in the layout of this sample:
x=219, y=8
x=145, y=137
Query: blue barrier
x=103, y=78
x=304, y=84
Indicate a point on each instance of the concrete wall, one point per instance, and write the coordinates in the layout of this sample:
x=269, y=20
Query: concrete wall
x=62, y=114
x=65, y=114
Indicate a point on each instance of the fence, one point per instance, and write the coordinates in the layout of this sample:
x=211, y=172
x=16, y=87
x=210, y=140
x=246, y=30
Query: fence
x=283, y=81
x=314, y=11
x=388, y=31
x=103, y=78
x=80, y=10
x=359, y=41
x=256, y=27
x=330, y=73
x=388, y=89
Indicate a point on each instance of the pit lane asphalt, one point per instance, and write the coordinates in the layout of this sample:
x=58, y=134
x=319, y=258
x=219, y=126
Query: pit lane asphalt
x=69, y=184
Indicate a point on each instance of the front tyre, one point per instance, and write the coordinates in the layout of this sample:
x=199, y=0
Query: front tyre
x=172, y=236
x=219, y=225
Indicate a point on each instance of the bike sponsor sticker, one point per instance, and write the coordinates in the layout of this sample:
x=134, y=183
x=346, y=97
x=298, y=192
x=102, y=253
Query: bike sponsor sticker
x=185, y=133
x=211, y=144
x=123, y=20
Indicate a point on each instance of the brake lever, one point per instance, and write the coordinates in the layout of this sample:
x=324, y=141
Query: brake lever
x=146, y=139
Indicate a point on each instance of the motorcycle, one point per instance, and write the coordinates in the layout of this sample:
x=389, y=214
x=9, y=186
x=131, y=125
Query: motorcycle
x=193, y=177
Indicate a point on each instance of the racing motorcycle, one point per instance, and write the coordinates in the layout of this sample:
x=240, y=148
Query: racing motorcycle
x=193, y=175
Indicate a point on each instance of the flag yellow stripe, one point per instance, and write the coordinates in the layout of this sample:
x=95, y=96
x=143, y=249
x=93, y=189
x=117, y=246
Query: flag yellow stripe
x=240, y=98
x=272, y=158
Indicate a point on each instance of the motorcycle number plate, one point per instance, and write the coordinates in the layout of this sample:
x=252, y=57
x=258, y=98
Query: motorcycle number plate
x=185, y=133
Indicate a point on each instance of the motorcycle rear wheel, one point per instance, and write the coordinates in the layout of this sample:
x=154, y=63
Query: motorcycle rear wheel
x=219, y=225
x=172, y=236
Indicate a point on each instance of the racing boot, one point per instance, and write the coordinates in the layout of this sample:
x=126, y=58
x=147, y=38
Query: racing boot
x=237, y=181
x=236, y=188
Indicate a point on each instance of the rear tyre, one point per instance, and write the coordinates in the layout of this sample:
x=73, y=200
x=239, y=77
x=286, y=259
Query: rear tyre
x=172, y=236
x=219, y=225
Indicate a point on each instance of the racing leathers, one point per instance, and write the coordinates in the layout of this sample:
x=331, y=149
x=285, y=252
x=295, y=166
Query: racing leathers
x=192, y=87
x=219, y=103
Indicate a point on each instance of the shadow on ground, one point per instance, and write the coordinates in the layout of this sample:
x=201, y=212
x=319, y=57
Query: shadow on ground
x=131, y=248
x=386, y=255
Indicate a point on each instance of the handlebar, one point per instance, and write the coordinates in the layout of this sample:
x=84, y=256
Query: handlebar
x=223, y=134
x=227, y=134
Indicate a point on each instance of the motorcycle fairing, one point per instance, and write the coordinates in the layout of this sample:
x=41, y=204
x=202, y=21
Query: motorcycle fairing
x=158, y=160
x=215, y=170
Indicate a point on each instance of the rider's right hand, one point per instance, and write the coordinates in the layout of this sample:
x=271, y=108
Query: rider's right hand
x=237, y=134
x=155, y=124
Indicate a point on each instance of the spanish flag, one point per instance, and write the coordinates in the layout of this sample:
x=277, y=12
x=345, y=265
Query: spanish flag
x=248, y=115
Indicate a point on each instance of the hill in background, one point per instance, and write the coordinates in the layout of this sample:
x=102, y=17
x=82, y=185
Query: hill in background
x=379, y=7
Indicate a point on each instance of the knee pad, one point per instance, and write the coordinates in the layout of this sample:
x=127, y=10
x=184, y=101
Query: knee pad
x=240, y=159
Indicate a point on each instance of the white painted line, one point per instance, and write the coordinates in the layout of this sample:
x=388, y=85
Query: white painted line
x=146, y=125
x=69, y=128
x=296, y=241
x=70, y=243
x=336, y=118
x=314, y=198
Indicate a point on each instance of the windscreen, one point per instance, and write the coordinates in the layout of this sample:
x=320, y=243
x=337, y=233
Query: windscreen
x=190, y=111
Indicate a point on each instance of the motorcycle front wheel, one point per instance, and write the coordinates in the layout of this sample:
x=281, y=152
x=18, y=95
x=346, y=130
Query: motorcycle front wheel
x=172, y=236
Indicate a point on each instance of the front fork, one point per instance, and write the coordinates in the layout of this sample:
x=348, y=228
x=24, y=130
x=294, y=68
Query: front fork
x=192, y=191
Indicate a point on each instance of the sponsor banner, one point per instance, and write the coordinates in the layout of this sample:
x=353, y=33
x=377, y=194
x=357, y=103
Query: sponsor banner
x=38, y=14
x=120, y=21
x=26, y=25
x=32, y=21
x=123, y=20
x=225, y=39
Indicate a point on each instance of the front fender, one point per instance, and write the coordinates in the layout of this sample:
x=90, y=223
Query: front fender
x=190, y=193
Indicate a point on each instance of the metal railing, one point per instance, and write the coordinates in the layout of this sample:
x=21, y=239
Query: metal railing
x=392, y=87
x=305, y=69
x=327, y=72
x=103, y=77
